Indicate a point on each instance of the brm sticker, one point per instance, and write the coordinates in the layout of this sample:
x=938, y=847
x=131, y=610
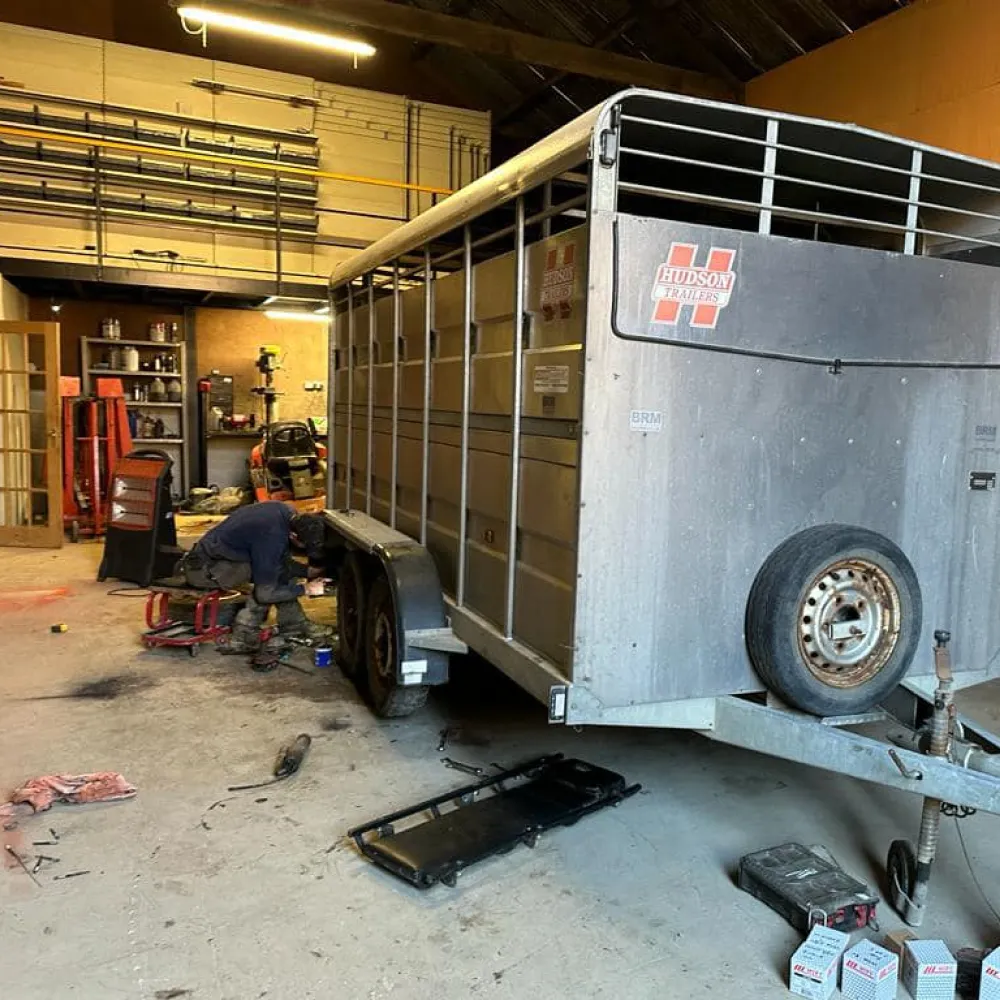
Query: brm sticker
x=648, y=421
x=706, y=288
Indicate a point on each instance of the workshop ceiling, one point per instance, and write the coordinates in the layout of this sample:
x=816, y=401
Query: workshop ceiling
x=590, y=47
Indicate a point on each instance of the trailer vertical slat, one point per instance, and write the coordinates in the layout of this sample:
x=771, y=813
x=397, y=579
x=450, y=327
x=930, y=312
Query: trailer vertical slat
x=331, y=401
x=349, y=472
x=913, y=208
x=397, y=332
x=463, y=488
x=517, y=362
x=369, y=471
x=425, y=461
x=767, y=185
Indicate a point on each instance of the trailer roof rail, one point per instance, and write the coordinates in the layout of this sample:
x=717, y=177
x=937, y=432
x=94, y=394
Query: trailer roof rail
x=734, y=167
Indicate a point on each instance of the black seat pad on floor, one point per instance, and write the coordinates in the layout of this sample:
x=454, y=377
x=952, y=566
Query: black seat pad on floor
x=562, y=792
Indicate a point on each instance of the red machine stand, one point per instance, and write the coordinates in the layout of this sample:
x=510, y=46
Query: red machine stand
x=162, y=630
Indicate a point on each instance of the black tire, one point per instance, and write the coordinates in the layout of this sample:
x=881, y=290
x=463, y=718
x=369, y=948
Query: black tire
x=901, y=874
x=74, y=531
x=389, y=699
x=352, y=586
x=814, y=589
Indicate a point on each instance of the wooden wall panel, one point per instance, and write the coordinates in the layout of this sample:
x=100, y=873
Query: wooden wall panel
x=229, y=339
x=13, y=305
x=261, y=111
x=930, y=72
x=360, y=133
x=52, y=62
x=160, y=81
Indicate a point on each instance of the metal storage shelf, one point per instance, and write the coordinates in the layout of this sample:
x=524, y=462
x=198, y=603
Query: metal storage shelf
x=134, y=343
x=121, y=371
x=180, y=423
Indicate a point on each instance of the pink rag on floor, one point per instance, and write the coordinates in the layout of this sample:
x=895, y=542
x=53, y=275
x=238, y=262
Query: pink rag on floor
x=104, y=786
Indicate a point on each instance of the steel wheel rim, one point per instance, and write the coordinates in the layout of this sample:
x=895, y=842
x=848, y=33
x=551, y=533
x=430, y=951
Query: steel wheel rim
x=382, y=646
x=849, y=622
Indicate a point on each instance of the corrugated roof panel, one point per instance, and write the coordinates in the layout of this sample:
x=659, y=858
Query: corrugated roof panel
x=737, y=39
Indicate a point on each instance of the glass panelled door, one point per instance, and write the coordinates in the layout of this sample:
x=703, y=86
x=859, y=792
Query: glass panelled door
x=30, y=460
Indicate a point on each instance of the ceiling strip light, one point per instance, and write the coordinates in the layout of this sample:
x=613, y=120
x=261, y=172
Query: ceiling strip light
x=205, y=16
x=283, y=314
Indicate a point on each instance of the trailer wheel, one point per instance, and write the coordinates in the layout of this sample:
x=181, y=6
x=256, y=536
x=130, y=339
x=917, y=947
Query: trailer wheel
x=833, y=619
x=351, y=586
x=388, y=698
x=901, y=874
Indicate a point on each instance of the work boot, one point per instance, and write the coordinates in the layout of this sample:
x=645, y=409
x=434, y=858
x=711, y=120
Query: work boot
x=245, y=634
x=293, y=624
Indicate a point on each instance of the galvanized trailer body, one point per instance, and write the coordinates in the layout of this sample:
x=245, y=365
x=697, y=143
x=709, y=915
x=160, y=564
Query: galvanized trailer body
x=718, y=326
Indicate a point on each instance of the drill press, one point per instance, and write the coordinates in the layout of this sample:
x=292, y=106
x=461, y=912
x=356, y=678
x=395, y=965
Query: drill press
x=267, y=363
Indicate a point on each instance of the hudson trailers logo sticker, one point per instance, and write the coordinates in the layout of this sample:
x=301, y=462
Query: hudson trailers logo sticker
x=680, y=282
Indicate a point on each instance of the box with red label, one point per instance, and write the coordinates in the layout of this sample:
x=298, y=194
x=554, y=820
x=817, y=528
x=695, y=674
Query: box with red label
x=870, y=972
x=814, y=965
x=930, y=971
x=989, y=985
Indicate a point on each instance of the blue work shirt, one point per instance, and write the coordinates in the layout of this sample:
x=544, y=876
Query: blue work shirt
x=259, y=535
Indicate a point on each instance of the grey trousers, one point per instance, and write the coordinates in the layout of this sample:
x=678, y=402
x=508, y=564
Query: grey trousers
x=224, y=574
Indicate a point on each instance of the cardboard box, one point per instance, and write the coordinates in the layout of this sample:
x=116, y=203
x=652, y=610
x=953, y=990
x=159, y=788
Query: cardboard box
x=813, y=969
x=895, y=941
x=989, y=985
x=930, y=971
x=870, y=972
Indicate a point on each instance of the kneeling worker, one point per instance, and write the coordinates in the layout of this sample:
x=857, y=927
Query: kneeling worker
x=253, y=545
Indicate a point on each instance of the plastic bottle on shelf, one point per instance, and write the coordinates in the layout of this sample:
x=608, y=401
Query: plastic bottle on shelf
x=174, y=391
x=157, y=391
x=130, y=357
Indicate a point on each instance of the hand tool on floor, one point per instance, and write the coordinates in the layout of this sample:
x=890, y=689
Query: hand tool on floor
x=288, y=761
x=457, y=765
x=17, y=857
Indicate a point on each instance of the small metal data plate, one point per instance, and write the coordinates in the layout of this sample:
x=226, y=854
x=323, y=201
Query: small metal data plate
x=982, y=480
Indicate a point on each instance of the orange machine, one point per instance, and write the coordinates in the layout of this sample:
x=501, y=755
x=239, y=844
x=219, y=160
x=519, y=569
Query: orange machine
x=290, y=465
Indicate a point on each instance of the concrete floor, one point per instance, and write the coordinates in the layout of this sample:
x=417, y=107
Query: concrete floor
x=259, y=897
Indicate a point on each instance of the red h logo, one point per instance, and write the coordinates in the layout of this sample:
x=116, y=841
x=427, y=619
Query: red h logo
x=679, y=282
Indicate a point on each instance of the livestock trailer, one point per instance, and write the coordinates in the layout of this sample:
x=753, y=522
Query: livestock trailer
x=685, y=417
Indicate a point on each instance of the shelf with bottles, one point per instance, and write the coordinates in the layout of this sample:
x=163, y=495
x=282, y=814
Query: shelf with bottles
x=155, y=368
x=160, y=332
x=163, y=345
x=126, y=372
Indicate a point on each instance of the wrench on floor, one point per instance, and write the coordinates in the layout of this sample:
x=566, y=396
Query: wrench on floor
x=457, y=765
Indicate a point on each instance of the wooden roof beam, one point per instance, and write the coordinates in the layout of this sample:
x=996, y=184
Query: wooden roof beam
x=486, y=39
